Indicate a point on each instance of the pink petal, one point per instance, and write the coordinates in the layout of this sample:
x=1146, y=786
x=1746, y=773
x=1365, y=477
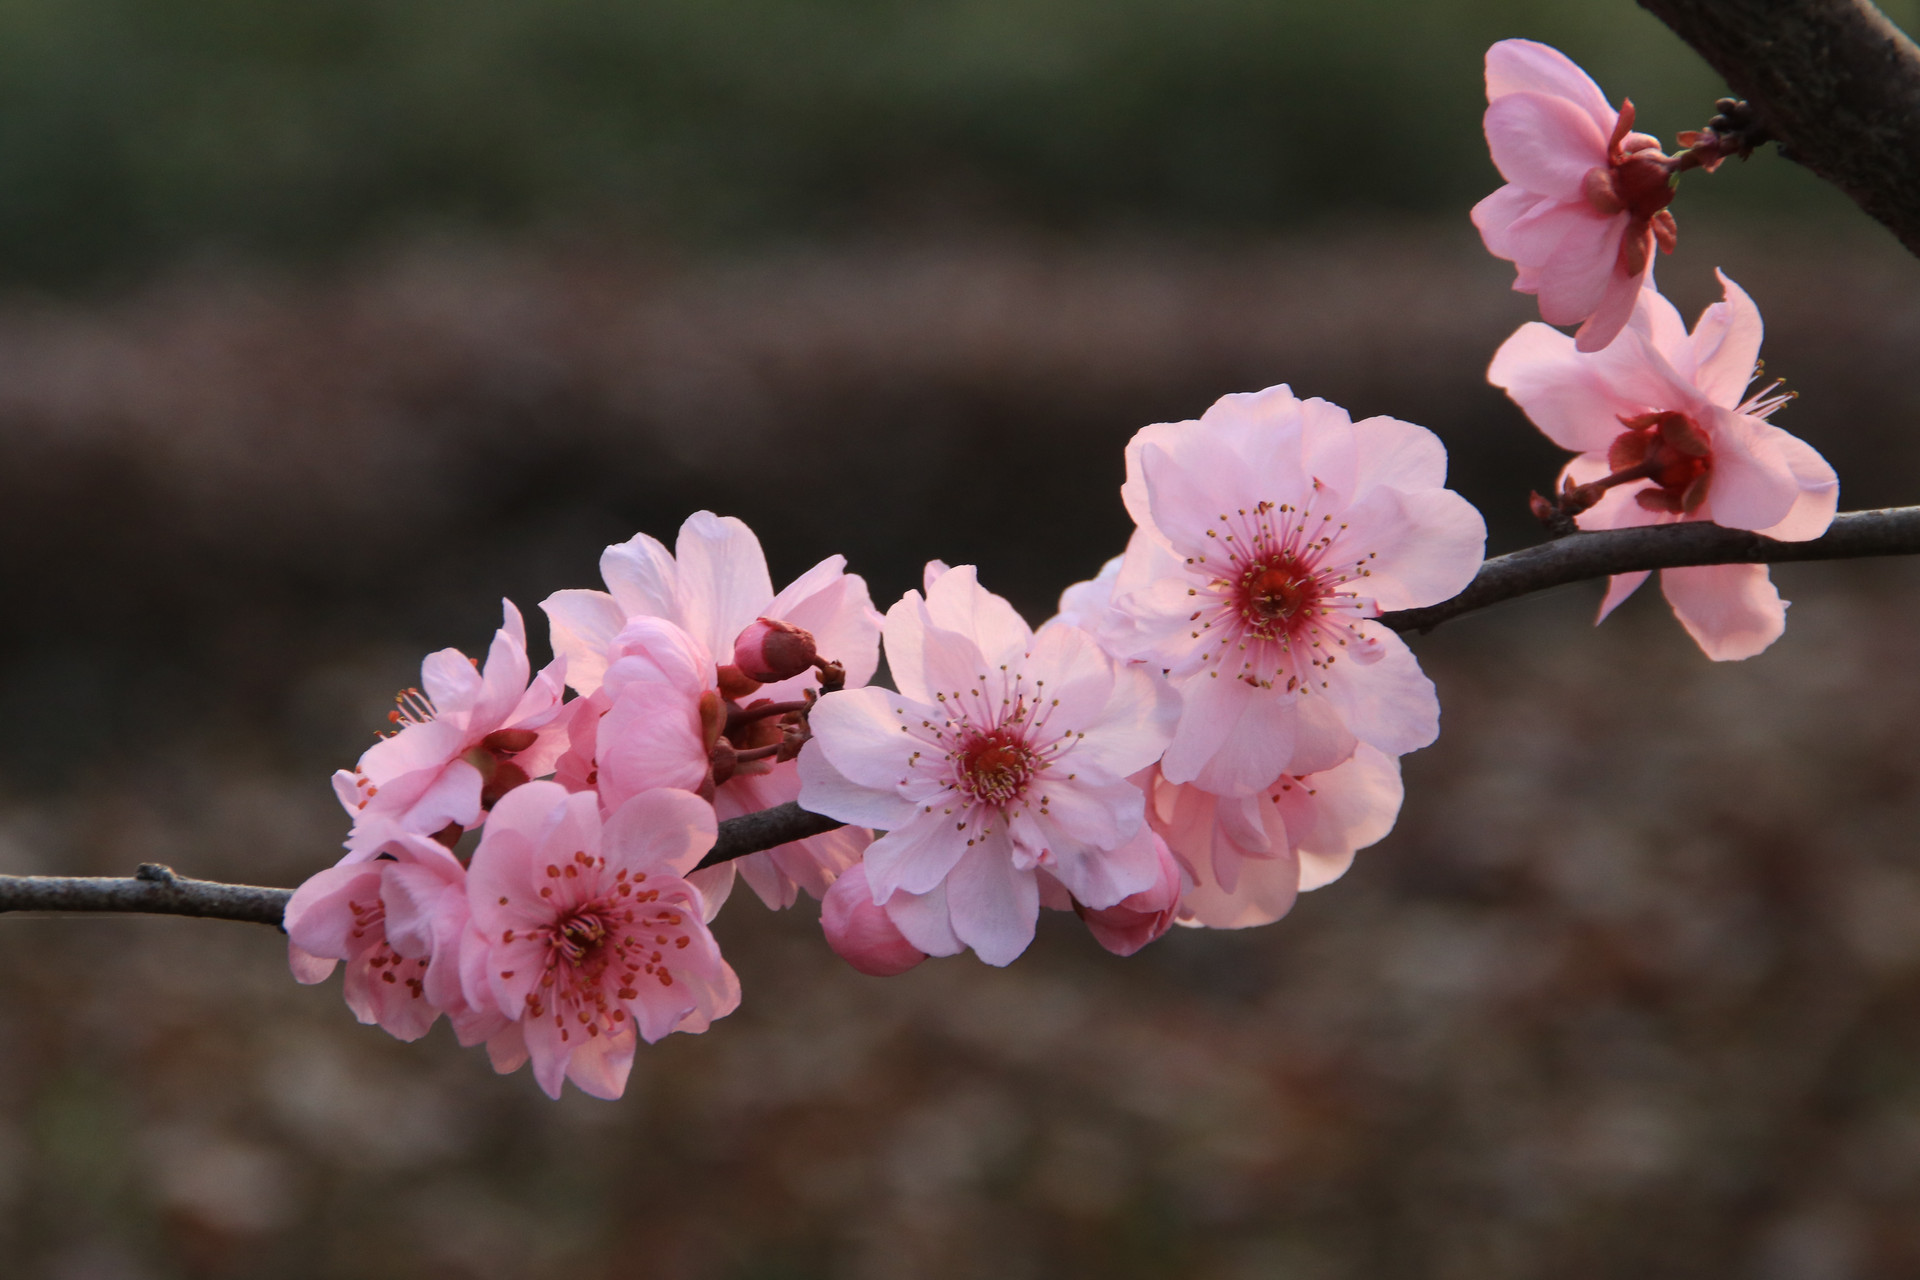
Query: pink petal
x=659, y=831
x=924, y=922
x=1396, y=453
x=1614, y=309
x=1619, y=587
x=1819, y=495
x=643, y=578
x=1556, y=388
x=601, y=1065
x=1496, y=215
x=1731, y=610
x=1576, y=276
x=582, y=625
x=1527, y=66
x=1753, y=485
x=1544, y=144
x=1391, y=704
x=826, y=789
x=993, y=905
x=958, y=603
x=917, y=855
x=1355, y=805
x=723, y=578
x=1209, y=730
x=1726, y=345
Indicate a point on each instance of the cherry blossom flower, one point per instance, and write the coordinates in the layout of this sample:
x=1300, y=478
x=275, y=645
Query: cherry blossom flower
x=469, y=738
x=1272, y=531
x=592, y=934
x=1664, y=435
x=1140, y=917
x=1586, y=197
x=340, y=914
x=1003, y=754
x=860, y=931
x=715, y=590
x=1248, y=857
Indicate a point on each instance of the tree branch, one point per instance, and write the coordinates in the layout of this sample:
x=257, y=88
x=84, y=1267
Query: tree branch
x=153, y=890
x=1834, y=82
x=1894, y=531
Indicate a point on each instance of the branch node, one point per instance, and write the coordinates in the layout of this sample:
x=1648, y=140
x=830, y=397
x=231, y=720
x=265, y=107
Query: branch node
x=156, y=872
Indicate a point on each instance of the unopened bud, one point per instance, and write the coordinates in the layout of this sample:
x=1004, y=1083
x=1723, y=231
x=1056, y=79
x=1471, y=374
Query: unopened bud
x=770, y=650
x=860, y=932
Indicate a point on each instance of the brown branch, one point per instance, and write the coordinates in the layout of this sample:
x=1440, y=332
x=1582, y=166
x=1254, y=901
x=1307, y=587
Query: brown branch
x=1894, y=531
x=153, y=890
x=1575, y=558
x=1834, y=82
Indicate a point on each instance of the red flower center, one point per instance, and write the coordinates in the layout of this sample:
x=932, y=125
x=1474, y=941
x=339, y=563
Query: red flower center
x=1274, y=593
x=1671, y=450
x=995, y=767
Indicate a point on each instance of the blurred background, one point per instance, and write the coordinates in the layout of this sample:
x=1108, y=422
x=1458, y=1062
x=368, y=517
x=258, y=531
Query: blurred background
x=323, y=326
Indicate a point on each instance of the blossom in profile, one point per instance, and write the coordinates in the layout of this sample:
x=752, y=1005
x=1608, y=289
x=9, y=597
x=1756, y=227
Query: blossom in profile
x=593, y=938
x=340, y=915
x=716, y=599
x=1272, y=531
x=1247, y=857
x=465, y=738
x=1004, y=754
x=1666, y=431
x=1586, y=197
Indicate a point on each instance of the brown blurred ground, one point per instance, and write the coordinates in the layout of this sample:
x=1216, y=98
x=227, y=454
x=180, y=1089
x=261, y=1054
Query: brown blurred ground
x=1630, y=992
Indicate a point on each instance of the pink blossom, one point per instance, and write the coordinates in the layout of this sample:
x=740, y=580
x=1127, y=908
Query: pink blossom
x=469, y=738
x=1586, y=198
x=1248, y=857
x=1002, y=755
x=860, y=932
x=1271, y=532
x=1140, y=917
x=1664, y=435
x=712, y=590
x=592, y=934
x=340, y=915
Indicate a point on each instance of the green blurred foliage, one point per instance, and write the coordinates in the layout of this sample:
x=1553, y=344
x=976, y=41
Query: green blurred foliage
x=134, y=130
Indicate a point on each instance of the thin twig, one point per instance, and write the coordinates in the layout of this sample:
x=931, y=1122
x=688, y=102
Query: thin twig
x=1894, y=531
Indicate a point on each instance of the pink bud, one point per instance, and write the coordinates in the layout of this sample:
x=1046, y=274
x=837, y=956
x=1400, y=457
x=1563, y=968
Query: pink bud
x=770, y=650
x=1138, y=918
x=860, y=932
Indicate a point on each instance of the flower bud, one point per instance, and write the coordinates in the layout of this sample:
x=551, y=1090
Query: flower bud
x=1138, y=918
x=860, y=932
x=770, y=650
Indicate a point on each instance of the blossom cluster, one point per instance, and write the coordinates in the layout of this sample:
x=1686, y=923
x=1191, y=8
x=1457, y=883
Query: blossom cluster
x=1659, y=417
x=1207, y=728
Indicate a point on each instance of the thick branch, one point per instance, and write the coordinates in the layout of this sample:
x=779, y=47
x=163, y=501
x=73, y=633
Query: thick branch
x=1834, y=82
x=1892, y=532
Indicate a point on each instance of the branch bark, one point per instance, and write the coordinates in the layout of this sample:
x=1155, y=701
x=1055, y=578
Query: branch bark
x=1894, y=531
x=1833, y=82
x=1891, y=531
